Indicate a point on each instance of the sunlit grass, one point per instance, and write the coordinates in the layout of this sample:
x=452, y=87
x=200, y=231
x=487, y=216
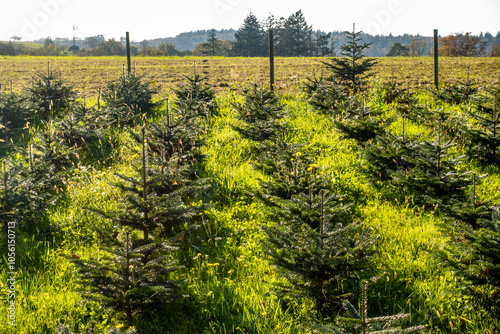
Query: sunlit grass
x=227, y=279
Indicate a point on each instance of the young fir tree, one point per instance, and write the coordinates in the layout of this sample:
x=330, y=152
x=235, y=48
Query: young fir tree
x=361, y=123
x=424, y=171
x=262, y=113
x=461, y=92
x=474, y=255
x=158, y=200
x=15, y=112
x=130, y=276
x=366, y=325
x=434, y=179
x=388, y=154
x=327, y=95
x=175, y=143
x=287, y=168
x=41, y=169
x=404, y=99
x=176, y=140
x=315, y=243
x=49, y=95
x=407, y=106
x=71, y=130
x=129, y=98
x=352, y=70
x=483, y=141
x=196, y=95
x=391, y=91
x=87, y=130
x=313, y=240
x=474, y=212
x=177, y=158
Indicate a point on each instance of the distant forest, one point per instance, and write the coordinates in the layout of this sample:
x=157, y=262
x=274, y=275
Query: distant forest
x=293, y=37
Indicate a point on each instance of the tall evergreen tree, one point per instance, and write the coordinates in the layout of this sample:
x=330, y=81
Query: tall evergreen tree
x=322, y=45
x=250, y=39
x=398, y=50
x=212, y=42
x=294, y=37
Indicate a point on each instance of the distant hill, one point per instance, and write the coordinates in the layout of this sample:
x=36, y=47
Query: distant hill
x=188, y=40
x=380, y=45
x=183, y=41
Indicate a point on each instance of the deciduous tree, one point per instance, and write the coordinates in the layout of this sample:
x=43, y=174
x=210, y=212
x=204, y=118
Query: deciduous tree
x=461, y=45
x=417, y=48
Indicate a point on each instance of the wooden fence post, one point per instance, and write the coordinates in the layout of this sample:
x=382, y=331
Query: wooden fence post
x=436, y=59
x=271, y=59
x=128, y=53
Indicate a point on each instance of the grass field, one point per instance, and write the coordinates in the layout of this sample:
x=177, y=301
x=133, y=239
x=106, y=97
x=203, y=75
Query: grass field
x=89, y=74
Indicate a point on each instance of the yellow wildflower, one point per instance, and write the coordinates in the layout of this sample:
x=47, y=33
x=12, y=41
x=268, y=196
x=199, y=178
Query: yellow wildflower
x=215, y=264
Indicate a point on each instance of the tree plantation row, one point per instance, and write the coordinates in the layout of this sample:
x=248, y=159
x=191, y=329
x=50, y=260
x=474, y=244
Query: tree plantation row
x=354, y=206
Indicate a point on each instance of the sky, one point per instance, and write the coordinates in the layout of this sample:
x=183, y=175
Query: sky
x=149, y=19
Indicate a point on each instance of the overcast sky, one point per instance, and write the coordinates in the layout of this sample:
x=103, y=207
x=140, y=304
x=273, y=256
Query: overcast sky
x=147, y=19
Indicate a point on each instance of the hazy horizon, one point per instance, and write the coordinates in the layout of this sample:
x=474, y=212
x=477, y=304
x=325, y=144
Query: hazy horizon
x=148, y=19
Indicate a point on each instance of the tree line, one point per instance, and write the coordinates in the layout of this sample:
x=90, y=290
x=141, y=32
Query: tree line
x=293, y=37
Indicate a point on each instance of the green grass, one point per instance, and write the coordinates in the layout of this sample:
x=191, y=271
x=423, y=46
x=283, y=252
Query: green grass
x=228, y=281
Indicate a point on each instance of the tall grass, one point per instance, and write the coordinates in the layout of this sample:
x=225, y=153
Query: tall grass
x=228, y=283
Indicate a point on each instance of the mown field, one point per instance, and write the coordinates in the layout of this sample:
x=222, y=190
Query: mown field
x=90, y=74
x=64, y=173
